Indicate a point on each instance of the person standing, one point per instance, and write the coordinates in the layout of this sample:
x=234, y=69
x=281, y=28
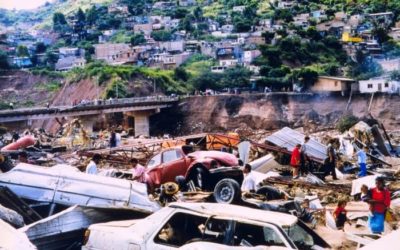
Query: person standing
x=330, y=162
x=304, y=156
x=295, y=161
x=91, y=168
x=113, y=139
x=362, y=161
x=380, y=202
x=340, y=214
x=249, y=182
x=138, y=171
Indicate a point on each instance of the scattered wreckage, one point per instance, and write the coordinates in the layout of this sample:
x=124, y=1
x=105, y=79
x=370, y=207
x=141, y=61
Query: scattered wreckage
x=184, y=224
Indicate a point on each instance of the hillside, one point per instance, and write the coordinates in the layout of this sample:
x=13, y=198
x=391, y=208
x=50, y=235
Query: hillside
x=42, y=16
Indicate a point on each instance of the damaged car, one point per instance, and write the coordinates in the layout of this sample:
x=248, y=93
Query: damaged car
x=62, y=186
x=181, y=225
x=203, y=168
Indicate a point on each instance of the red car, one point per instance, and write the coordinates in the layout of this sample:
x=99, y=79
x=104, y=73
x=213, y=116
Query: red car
x=204, y=168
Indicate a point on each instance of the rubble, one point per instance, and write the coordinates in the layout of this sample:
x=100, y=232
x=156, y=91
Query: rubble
x=57, y=202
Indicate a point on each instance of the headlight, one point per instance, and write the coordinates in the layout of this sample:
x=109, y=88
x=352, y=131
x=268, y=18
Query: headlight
x=86, y=236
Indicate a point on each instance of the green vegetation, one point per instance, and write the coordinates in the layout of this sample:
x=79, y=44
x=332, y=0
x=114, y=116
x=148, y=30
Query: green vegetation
x=52, y=86
x=116, y=75
x=47, y=72
x=346, y=122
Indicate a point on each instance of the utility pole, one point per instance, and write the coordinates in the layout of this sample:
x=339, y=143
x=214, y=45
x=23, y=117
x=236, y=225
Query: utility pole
x=154, y=86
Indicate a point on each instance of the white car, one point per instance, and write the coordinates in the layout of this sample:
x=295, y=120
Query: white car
x=65, y=185
x=201, y=225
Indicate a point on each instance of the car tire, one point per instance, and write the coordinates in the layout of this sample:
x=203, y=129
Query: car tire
x=227, y=191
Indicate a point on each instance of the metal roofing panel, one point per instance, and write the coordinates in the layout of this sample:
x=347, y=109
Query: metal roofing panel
x=288, y=138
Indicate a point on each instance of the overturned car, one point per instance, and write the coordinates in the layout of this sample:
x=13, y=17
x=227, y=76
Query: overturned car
x=66, y=186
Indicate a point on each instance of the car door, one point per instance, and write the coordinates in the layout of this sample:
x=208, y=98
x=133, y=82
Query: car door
x=173, y=164
x=154, y=170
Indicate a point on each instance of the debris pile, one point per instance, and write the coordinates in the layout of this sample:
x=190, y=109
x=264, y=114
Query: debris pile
x=54, y=187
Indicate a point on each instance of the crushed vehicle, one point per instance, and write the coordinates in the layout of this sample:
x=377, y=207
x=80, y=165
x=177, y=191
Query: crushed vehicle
x=45, y=189
x=183, y=224
x=11, y=238
x=204, y=168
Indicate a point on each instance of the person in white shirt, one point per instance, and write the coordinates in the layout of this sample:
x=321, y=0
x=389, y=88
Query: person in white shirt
x=304, y=156
x=117, y=139
x=91, y=168
x=249, y=182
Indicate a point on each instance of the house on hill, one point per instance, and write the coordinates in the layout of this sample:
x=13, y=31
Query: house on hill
x=334, y=84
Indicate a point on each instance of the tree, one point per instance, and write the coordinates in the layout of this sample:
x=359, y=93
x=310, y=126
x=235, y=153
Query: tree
x=306, y=76
x=91, y=15
x=51, y=58
x=3, y=60
x=236, y=77
x=22, y=51
x=40, y=48
x=161, y=35
x=59, y=22
x=180, y=13
x=181, y=74
x=137, y=39
x=206, y=80
x=198, y=13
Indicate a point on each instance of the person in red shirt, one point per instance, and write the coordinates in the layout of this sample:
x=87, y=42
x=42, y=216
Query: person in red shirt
x=340, y=214
x=295, y=161
x=380, y=202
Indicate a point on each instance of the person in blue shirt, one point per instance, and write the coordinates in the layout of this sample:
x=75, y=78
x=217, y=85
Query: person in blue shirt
x=362, y=161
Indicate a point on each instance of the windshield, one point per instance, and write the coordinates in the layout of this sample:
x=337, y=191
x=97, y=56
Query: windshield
x=300, y=237
x=154, y=162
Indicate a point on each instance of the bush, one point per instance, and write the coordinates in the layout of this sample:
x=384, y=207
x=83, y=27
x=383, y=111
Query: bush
x=346, y=122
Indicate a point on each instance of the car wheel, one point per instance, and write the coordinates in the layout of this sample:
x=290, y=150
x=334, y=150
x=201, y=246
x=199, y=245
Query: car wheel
x=227, y=191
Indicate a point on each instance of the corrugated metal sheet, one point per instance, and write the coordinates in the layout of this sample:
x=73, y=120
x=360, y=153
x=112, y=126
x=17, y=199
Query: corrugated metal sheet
x=288, y=138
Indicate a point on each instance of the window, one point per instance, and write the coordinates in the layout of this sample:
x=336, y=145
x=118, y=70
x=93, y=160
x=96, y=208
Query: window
x=386, y=85
x=255, y=235
x=336, y=83
x=181, y=229
x=171, y=155
x=369, y=86
x=155, y=161
x=299, y=236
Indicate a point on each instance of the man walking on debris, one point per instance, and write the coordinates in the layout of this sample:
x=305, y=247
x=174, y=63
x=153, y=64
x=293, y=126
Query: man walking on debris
x=91, y=168
x=295, y=161
x=362, y=161
x=330, y=162
x=304, y=156
x=249, y=182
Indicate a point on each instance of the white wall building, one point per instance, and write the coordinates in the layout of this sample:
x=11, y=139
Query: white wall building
x=382, y=85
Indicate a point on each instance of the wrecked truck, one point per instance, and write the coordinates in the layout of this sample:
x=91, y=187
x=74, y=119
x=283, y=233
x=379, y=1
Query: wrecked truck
x=185, y=225
x=44, y=188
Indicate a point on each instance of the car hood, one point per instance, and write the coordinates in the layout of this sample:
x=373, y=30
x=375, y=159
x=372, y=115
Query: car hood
x=226, y=159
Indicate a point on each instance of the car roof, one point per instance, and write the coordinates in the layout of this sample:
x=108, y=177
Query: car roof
x=238, y=212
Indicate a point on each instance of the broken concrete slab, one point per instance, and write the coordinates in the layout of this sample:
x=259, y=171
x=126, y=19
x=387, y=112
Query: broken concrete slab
x=11, y=217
